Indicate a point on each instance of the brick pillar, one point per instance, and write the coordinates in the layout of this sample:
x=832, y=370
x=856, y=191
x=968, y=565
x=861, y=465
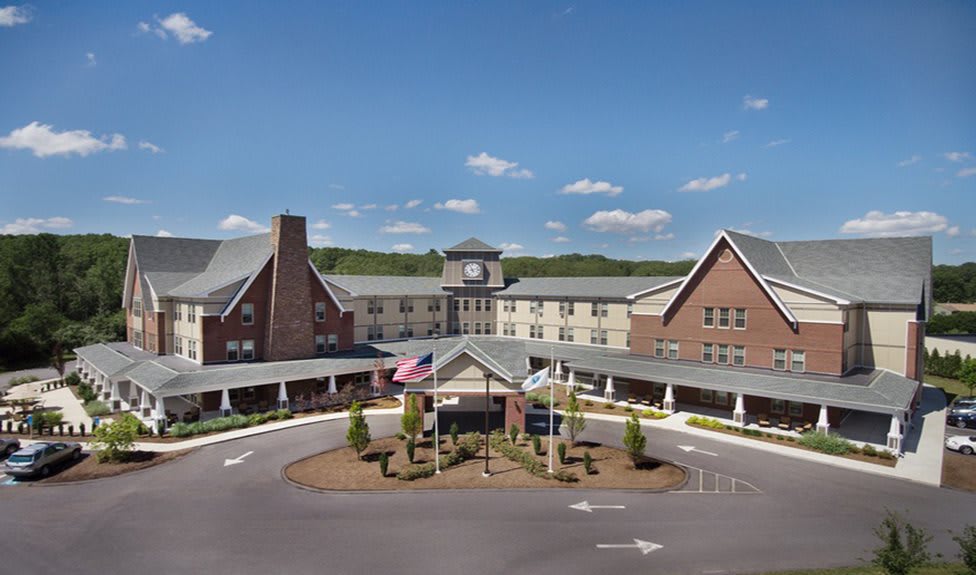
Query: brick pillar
x=915, y=357
x=515, y=411
x=290, y=333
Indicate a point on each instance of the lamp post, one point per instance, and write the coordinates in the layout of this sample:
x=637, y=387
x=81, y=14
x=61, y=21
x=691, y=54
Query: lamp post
x=488, y=377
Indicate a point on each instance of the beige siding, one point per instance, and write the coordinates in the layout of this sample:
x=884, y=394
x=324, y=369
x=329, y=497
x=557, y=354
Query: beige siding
x=885, y=331
x=582, y=321
x=464, y=373
x=654, y=302
x=422, y=321
x=807, y=307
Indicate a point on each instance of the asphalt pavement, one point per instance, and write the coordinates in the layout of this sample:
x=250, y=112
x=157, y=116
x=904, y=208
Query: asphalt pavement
x=197, y=515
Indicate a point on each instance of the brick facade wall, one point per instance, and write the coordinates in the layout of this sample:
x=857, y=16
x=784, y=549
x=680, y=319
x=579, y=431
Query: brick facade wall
x=217, y=332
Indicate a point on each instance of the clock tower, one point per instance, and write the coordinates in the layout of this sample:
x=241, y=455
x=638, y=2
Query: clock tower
x=472, y=274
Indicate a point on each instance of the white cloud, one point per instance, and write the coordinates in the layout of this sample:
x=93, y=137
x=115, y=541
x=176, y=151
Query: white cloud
x=775, y=143
x=368, y=207
x=150, y=147
x=321, y=225
x=391, y=207
x=555, y=226
x=623, y=222
x=877, y=223
x=913, y=160
x=561, y=240
x=953, y=231
x=12, y=15
x=43, y=141
x=485, y=165
x=23, y=226
x=957, y=156
x=586, y=187
x=511, y=247
x=461, y=206
x=353, y=213
x=320, y=240
x=966, y=172
x=235, y=222
x=124, y=200
x=143, y=27
x=713, y=183
x=163, y=234
x=182, y=27
x=337, y=186
x=730, y=136
x=688, y=255
x=402, y=248
x=90, y=59
x=343, y=207
x=668, y=236
x=400, y=227
x=412, y=204
x=750, y=103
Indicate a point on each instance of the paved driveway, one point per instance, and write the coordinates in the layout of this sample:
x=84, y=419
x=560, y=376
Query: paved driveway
x=40, y=372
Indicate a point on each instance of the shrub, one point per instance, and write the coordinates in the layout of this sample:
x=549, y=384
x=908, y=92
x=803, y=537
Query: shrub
x=705, y=422
x=282, y=414
x=532, y=397
x=634, y=439
x=115, y=441
x=587, y=462
x=411, y=422
x=573, y=418
x=536, y=445
x=967, y=547
x=384, y=463
x=466, y=448
x=902, y=545
x=46, y=419
x=885, y=454
x=609, y=405
x=415, y=471
x=791, y=439
x=831, y=444
x=87, y=392
x=454, y=432
x=72, y=378
x=411, y=449
x=780, y=438
x=529, y=463
x=628, y=409
x=96, y=408
x=400, y=435
x=561, y=450
x=23, y=379
x=869, y=450
x=588, y=403
x=357, y=435
x=565, y=476
x=513, y=433
x=180, y=429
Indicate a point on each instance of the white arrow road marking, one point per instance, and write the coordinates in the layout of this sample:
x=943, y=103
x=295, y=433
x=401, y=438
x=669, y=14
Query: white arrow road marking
x=644, y=546
x=239, y=459
x=690, y=448
x=585, y=506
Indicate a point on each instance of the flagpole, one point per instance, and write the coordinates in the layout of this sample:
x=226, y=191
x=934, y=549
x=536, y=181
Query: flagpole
x=437, y=437
x=551, y=409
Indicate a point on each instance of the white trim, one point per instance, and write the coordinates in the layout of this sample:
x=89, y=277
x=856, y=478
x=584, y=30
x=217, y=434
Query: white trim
x=471, y=285
x=786, y=259
x=759, y=278
x=129, y=274
x=221, y=286
x=327, y=289
x=835, y=299
x=647, y=313
x=655, y=288
x=243, y=289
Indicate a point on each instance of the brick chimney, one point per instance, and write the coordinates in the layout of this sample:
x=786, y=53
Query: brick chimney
x=290, y=332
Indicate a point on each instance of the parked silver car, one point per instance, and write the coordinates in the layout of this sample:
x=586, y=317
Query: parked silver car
x=8, y=445
x=40, y=458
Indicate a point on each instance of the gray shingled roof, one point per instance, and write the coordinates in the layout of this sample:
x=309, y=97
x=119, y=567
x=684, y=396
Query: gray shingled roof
x=878, y=391
x=583, y=287
x=235, y=259
x=105, y=359
x=472, y=245
x=388, y=285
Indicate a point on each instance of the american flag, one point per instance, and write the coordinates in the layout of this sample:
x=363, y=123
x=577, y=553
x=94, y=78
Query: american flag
x=414, y=368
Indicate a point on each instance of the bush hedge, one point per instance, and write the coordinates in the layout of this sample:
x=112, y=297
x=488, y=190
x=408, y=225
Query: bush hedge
x=654, y=414
x=705, y=422
x=97, y=408
x=832, y=443
x=529, y=463
x=466, y=448
x=23, y=379
x=227, y=423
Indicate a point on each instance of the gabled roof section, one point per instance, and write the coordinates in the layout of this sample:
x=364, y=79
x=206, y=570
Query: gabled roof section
x=235, y=260
x=387, y=285
x=620, y=287
x=473, y=244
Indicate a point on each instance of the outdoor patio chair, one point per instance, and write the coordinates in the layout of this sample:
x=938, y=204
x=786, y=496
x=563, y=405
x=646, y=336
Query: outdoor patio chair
x=784, y=423
x=807, y=426
x=763, y=420
x=631, y=399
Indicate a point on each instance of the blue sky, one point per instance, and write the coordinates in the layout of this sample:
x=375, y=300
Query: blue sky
x=635, y=130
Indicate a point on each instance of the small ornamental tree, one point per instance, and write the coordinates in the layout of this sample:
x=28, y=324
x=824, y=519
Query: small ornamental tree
x=902, y=545
x=454, y=432
x=634, y=439
x=384, y=463
x=358, y=433
x=410, y=421
x=573, y=418
x=513, y=432
x=561, y=450
x=115, y=441
x=967, y=374
x=536, y=445
x=967, y=547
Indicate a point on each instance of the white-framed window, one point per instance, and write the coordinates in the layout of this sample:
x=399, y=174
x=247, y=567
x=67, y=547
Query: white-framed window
x=402, y=331
x=721, y=398
x=488, y=304
x=320, y=311
x=562, y=309
x=505, y=329
x=370, y=308
x=779, y=359
x=570, y=308
x=247, y=313
x=191, y=349
x=466, y=304
x=177, y=312
x=370, y=333
x=708, y=317
x=409, y=330
x=542, y=307
x=593, y=336
x=796, y=409
x=477, y=326
x=477, y=305
x=430, y=305
x=533, y=307
x=777, y=406
x=799, y=361
x=403, y=306
x=603, y=337
x=247, y=349
x=569, y=334
x=723, y=354
x=191, y=313
x=319, y=344
x=740, y=318
x=627, y=344
x=594, y=309
x=672, y=349
x=233, y=351
x=562, y=334
x=465, y=327
x=738, y=355
x=723, y=317
x=604, y=309
x=379, y=332
x=379, y=307
x=708, y=352
x=437, y=305
x=487, y=328
x=457, y=305
x=705, y=395
x=333, y=342
x=658, y=348
x=178, y=345
x=136, y=307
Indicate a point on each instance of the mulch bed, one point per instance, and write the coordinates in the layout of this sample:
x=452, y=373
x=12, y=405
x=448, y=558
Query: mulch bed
x=88, y=466
x=562, y=400
x=855, y=456
x=341, y=470
x=959, y=471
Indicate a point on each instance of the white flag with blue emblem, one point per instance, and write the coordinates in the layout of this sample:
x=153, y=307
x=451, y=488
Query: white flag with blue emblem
x=540, y=379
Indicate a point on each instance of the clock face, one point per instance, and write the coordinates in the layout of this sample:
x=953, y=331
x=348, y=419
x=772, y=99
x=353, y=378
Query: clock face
x=472, y=270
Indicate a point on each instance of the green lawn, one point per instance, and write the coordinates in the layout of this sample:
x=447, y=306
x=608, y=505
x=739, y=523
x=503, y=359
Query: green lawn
x=951, y=387
x=942, y=569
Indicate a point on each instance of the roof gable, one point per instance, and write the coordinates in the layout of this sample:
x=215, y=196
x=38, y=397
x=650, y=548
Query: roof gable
x=472, y=244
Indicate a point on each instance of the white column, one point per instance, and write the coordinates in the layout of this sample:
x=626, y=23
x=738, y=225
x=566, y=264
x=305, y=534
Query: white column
x=894, y=433
x=114, y=395
x=823, y=423
x=609, y=393
x=528, y=365
x=739, y=414
x=160, y=410
x=144, y=404
x=282, y=396
x=558, y=376
x=78, y=365
x=572, y=378
x=669, y=398
x=332, y=385
x=225, y=407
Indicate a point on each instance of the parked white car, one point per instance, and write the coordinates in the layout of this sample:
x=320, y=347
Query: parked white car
x=965, y=444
